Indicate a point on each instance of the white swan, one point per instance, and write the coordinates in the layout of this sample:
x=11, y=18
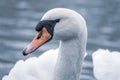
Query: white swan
x=106, y=65
x=62, y=64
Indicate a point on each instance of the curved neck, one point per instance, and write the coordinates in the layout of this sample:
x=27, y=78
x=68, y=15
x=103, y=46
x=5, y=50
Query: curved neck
x=70, y=58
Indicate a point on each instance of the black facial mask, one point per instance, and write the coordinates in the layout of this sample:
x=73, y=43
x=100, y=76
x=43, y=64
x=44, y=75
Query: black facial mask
x=48, y=24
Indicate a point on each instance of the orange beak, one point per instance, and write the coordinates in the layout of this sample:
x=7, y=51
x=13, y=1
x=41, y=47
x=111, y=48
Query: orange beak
x=40, y=38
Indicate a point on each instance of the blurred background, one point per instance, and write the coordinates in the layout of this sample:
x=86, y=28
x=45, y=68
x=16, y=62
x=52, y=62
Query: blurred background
x=18, y=19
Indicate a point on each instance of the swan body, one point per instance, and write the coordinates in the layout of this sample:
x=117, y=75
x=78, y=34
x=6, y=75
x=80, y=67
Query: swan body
x=62, y=64
x=106, y=65
x=34, y=68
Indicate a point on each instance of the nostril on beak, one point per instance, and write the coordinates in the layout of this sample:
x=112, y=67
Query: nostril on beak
x=24, y=52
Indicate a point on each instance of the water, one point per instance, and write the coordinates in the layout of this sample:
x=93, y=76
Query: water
x=19, y=17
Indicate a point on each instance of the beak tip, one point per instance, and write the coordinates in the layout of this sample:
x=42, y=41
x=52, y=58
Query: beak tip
x=24, y=52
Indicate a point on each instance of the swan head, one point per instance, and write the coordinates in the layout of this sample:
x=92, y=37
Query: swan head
x=59, y=23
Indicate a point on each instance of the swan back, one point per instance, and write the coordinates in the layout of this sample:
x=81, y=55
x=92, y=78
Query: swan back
x=106, y=65
x=35, y=68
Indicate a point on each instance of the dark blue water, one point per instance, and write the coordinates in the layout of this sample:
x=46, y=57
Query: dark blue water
x=19, y=17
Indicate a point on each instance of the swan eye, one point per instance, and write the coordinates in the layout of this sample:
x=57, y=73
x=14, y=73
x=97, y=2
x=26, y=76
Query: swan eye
x=57, y=20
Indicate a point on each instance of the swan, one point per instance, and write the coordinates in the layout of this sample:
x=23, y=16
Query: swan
x=106, y=64
x=64, y=63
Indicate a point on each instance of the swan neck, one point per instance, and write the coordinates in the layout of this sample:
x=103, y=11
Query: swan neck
x=70, y=58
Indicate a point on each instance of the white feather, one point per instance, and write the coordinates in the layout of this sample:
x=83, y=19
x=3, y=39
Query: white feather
x=106, y=65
